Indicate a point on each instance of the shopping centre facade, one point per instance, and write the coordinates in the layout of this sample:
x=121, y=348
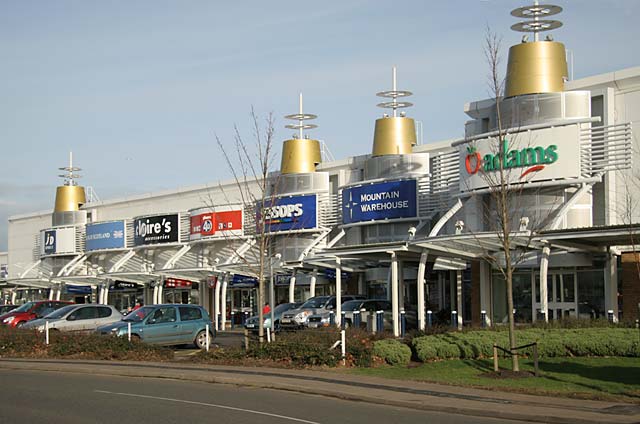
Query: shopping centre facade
x=412, y=223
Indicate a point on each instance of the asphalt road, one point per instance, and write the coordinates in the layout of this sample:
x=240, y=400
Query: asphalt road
x=54, y=397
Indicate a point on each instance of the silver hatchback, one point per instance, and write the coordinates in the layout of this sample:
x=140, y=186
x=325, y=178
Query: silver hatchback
x=82, y=318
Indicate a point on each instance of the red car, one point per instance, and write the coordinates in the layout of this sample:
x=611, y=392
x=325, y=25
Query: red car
x=31, y=310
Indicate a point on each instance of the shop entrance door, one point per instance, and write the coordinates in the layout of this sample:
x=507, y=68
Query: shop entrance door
x=562, y=290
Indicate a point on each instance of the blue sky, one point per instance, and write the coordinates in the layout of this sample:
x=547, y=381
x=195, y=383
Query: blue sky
x=137, y=90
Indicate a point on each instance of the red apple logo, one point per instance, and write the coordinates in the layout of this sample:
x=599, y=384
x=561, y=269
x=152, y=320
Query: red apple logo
x=473, y=160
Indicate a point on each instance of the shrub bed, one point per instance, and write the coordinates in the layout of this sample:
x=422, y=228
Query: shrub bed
x=31, y=344
x=599, y=341
x=392, y=351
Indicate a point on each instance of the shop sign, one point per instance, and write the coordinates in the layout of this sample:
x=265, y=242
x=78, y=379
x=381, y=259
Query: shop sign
x=212, y=281
x=539, y=155
x=78, y=289
x=58, y=241
x=177, y=283
x=156, y=229
x=105, y=235
x=124, y=285
x=288, y=213
x=4, y=271
x=243, y=281
x=216, y=224
x=380, y=201
x=331, y=274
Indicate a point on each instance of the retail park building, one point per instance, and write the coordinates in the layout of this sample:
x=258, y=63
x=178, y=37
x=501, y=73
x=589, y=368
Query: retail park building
x=410, y=222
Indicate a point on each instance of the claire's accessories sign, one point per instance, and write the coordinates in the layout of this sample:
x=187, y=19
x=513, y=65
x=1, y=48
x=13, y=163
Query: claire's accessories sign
x=105, y=235
x=380, y=201
x=156, y=229
x=288, y=213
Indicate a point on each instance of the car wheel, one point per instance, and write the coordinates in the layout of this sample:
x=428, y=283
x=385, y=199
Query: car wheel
x=201, y=340
x=347, y=324
x=21, y=324
x=135, y=338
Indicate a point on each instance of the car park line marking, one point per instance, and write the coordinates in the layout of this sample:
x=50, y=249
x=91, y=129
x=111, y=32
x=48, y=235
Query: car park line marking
x=213, y=405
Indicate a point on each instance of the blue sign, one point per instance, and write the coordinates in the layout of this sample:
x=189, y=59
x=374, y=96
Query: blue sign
x=288, y=213
x=331, y=274
x=78, y=289
x=373, y=202
x=105, y=235
x=243, y=281
x=50, y=242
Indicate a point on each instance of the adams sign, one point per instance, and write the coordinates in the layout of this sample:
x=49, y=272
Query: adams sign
x=545, y=154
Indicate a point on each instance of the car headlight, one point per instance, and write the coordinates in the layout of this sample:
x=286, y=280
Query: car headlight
x=8, y=320
x=302, y=316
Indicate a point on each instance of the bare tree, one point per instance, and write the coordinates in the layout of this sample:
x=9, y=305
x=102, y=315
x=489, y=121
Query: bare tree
x=251, y=166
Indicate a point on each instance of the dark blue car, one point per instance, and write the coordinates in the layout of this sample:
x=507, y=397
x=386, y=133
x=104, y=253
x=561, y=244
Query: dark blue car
x=170, y=324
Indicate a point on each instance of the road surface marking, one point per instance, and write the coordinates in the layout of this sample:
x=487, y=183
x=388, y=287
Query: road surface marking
x=213, y=405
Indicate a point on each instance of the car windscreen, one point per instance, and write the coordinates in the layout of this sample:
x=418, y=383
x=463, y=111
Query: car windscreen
x=352, y=305
x=315, y=302
x=61, y=312
x=25, y=307
x=139, y=314
x=283, y=307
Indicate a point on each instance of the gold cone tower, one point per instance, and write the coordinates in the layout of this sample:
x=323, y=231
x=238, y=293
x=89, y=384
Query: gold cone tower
x=300, y=154
x=539, y=66
x=394, y=135
x=70, y=196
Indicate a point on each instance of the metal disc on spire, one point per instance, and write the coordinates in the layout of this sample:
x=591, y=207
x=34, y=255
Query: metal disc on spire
x=537, y=13
x=301, y=117
x=71, y=175
x=536, y=10
x=394, y=94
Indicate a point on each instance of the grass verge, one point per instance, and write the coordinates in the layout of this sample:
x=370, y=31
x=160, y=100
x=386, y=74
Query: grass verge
x=611, y=378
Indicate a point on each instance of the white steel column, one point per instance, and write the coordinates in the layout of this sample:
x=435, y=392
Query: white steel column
x=223, y=304
x=14, y=296
x=292, y=287
x=401, y=285
x=312, y=285
x=611, y=285
x=420, y=282
x=58, y=292
x=338, y=291
x=544, y=272
x=105, y=296
x=362, y=288
x=485, y=290
x=161, y=293
x=216, y=301
x=394, y=294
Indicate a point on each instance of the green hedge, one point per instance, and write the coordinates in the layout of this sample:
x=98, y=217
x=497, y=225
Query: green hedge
x=392, y=351
x=551, y=343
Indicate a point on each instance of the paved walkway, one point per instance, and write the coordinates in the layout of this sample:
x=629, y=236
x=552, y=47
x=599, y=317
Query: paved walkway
x=414, y=395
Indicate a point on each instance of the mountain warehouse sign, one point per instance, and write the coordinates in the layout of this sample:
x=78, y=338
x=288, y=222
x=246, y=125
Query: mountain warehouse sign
x=380, y=201
x=537, y=155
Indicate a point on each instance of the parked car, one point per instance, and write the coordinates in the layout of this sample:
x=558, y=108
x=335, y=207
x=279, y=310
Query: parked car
x=31, y=310
x=7, y=308
x=252, y=322
x=297, y=318
x=77, y=318
x=169, y=324
x=367, y=307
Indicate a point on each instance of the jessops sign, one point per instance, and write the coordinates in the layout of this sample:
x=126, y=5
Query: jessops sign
x=156, y=229
x=373, y=202
x=55, y=241
x=289, y=213
x=528, y=156
x=105, y=235
x=216, y=224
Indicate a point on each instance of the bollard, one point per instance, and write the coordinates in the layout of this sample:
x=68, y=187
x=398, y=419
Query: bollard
x=483, y=318
x=454, y=319
x=429, y=319
x=496, y=368
x=268, y=335
x=220, y=323
x=380, y=321
x=610, y=315
x=206, y=338
x=233, y=323
x=371, y=323
x=535, y=359
x=129, y=331
x=357, y=316
x=403, y=323
x=332, y=318
x=246, y=339
x=46, y=332
x=343, y=323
